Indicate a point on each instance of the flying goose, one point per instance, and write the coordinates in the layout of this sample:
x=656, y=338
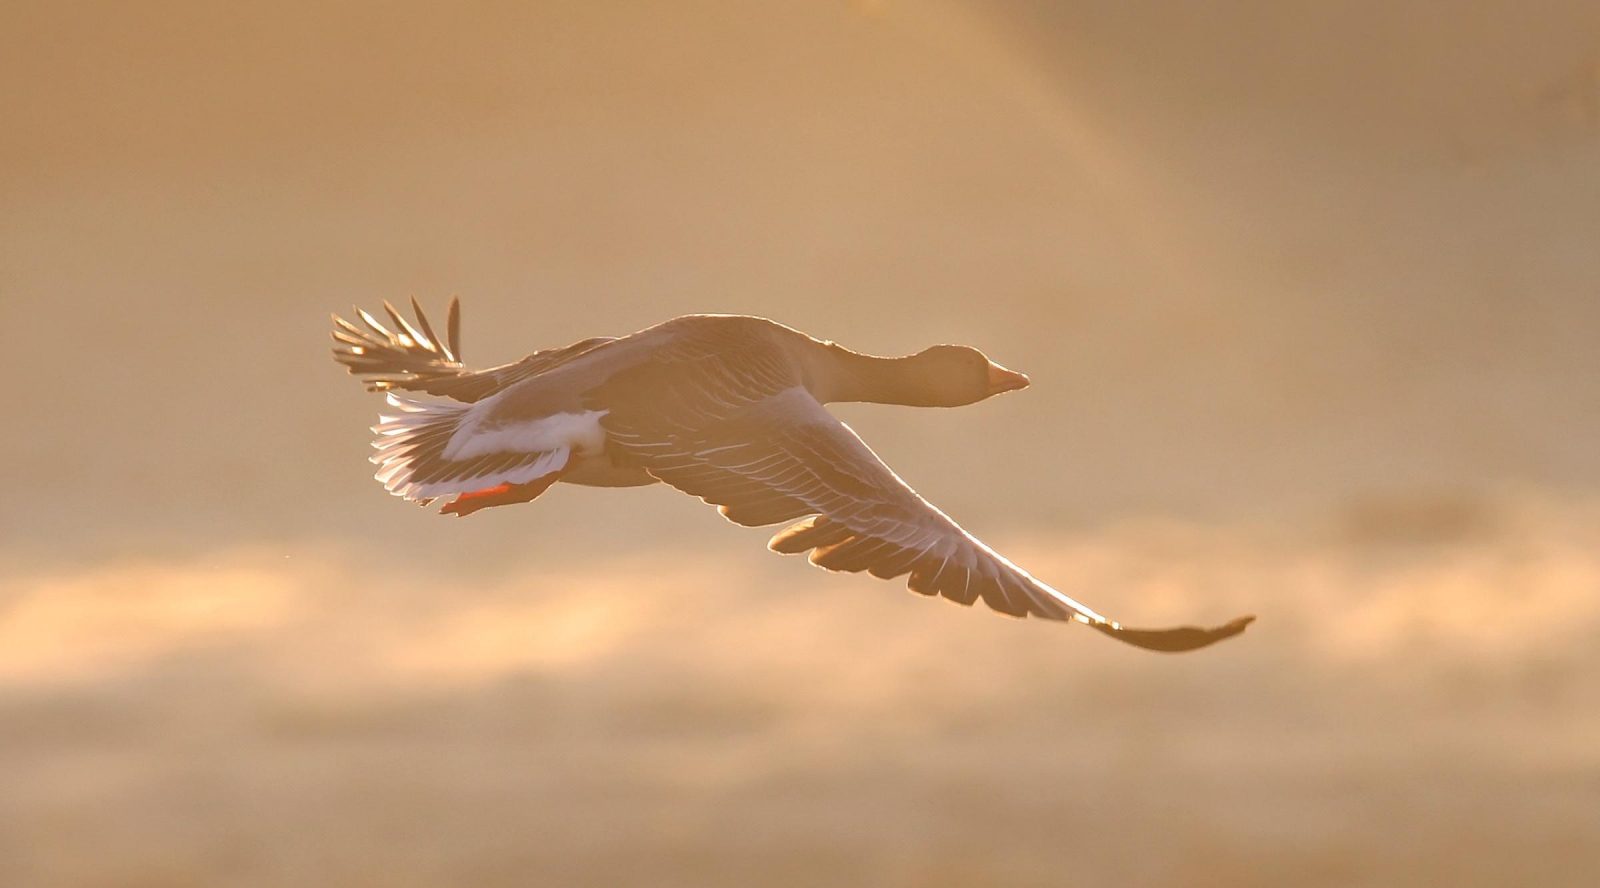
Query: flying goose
x=728, y=408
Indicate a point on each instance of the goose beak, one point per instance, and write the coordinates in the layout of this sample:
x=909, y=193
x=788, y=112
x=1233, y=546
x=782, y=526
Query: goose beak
x=1003, y=380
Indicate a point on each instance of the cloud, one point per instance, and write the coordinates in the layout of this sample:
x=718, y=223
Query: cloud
x=63, y=624
x=699, y=716
x=1528, y=589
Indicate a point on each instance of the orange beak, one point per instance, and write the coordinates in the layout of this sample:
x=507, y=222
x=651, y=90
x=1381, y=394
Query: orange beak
x=1003, y=380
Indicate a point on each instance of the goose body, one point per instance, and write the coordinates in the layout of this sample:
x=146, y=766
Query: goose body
x=728, y=408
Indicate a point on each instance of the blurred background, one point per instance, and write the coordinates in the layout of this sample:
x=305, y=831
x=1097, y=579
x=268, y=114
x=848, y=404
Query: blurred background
x=1309, y=293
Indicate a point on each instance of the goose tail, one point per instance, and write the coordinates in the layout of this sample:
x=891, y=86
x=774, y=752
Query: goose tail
x=425, y=450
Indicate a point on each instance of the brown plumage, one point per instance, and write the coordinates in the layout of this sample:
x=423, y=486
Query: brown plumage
x=727, y=408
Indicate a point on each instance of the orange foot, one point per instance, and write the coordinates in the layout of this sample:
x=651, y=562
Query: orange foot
x=499, y=495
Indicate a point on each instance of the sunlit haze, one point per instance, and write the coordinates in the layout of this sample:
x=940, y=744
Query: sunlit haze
x=1308, y=293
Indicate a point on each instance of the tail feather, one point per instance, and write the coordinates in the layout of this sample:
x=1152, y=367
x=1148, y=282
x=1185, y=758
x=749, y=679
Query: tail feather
x=411, y=447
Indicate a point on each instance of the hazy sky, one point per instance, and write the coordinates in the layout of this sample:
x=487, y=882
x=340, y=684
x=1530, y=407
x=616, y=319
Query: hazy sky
x=1261, y=259
x=1310, y=296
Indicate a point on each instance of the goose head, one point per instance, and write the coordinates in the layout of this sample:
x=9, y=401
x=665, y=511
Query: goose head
x=954, y=376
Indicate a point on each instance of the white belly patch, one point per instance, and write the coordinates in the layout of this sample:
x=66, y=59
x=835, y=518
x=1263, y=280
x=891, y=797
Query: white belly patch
x=579, y=432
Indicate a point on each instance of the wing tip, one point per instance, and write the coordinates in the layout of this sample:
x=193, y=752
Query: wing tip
x=1176, y=640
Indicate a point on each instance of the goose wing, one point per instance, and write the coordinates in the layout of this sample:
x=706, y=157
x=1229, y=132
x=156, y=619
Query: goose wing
x=733, y=424
x=412, y=356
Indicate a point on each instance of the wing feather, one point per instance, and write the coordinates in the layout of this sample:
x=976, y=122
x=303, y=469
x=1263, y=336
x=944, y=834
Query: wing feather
x=412, y=357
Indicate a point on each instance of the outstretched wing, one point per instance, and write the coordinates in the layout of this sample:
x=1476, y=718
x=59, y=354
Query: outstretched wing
x=731, y=423
x=415, y=358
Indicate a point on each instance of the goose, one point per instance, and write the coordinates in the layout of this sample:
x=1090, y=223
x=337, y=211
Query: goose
x=727, y=408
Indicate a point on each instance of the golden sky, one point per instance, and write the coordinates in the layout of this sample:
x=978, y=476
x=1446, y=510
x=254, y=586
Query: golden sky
x=1309, y=294
x=1259, y=261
